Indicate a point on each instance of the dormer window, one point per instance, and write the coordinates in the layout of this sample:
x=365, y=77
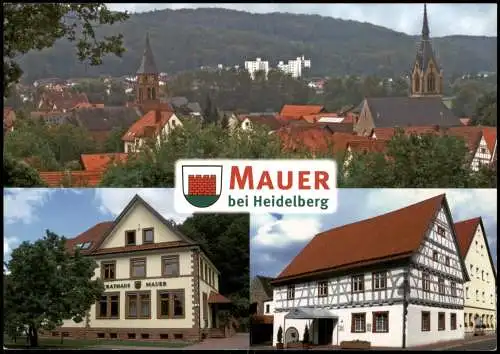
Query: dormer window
x=130, y=238
x=86, y=245
x=441, y=231
x=148, y=235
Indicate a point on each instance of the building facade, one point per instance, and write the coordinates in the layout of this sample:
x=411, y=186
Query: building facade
x=159, y=284
x=392, y=291
x=480, y=291
x=295, y=67
x=257, y=65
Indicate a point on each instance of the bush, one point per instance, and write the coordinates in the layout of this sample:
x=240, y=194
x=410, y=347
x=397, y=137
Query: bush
x=280, y=335
x=305, y=340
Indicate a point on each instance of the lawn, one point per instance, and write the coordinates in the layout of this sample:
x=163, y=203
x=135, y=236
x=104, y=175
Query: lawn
x=48, y=343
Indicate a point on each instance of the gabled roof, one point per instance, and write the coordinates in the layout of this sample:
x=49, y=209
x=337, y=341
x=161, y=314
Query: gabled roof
x=150, y=124
x=216, y=298
x=106, y=118
x=73, y=178
x=490, y=135
x=471, y=135
x=100, y=162
x=388, y=133
x=92, y=235
x=269, y=121
x=366, y=242
x=410, y=111
x=266, y=285
x=148, y=64
x=465, y=231
x=297, y=111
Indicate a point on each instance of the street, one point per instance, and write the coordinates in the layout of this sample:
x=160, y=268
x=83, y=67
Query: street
x=487, y=344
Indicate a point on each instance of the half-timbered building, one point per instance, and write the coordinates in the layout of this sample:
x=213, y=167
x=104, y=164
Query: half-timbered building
x=159, y=283
x=395, y=280
x=480, y=291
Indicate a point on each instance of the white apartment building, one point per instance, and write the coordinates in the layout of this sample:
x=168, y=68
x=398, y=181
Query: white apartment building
x=258, y=65
x=480, y=291
x=365, y=281
x=294, y=67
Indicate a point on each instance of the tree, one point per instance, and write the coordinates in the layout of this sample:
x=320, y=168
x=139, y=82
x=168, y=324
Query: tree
x=305, y=339
x=486, y=110
x=47, y=285
x=210, y=113
x=19, y=174
x=38, y=26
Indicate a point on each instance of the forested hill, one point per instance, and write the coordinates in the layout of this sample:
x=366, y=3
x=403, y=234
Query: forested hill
x=187, y=39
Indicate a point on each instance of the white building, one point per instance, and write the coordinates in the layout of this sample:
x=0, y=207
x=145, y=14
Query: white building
x=159, y=283
x=294, y=67
x=358, y=281
x=258, y=65
x=480, y=291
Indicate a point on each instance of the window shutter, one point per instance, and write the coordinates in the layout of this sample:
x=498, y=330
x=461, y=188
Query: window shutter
x=352, y=323
x=374, y=315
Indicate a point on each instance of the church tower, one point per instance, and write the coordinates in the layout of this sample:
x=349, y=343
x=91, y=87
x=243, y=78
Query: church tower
x=426, y=77
x=148, y=80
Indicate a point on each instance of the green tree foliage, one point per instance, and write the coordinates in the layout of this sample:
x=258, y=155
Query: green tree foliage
x=19, y=174
x=47, y=285
x=486, y=110
x=48, y=148
x=335, y=46
x=28, y=27
x=225, y=239
x=114, y=141
x=426, y=161
x=210, y=112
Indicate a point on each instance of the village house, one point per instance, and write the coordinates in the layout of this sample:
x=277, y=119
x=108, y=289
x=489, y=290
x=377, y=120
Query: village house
x=424, y=106
x=62, y=101
x=389, y=290
x=159, y=283
x=480, y=291
x=261, y=310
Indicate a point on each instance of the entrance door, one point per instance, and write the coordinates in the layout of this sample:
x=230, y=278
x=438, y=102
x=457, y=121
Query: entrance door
x=325, y=331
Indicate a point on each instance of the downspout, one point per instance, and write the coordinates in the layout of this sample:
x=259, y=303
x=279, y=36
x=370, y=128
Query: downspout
x=197, y=273
x=405, y=306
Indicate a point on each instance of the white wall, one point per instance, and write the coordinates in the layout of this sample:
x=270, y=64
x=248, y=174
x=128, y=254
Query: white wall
x=269, y=303
x=414, y=333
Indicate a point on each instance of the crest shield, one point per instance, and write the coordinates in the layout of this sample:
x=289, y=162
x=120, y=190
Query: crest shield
x=202, y=185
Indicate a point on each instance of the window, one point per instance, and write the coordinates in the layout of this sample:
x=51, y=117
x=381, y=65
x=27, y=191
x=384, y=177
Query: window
x=467, y=292
x=441, y=286
x=130, y=238
x=86, y=245
x=148, y=235
x=171, y=303
x=206, y=272
x=170, y=266
x=138, y=268
x=323, y=288
x=483, y=297
x=379, y=280
x=138, y=304
x=477, y=295
x=477, y=272
x=290, y=292
x=108, y=270
x=426, y=282
x=426, y=321
x=441, y=231
x=447, y=261
x=441, y=321
x=268, y=308
x=380, y=322
x=431, y=82
x=417, y=83
x=453, y=287
x=483, y=151
x=453, y=321
x=358, y=322
x=109, y=306
x=482, y=275
x=471, y=270
x=435, y=256
x=491, y=298
x=202, y=271
x=358, y=283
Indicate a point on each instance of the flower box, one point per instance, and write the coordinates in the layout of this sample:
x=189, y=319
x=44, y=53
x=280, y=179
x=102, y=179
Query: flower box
x=355, y=344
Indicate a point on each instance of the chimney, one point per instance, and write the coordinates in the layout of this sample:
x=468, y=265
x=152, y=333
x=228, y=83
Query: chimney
x=157, y=116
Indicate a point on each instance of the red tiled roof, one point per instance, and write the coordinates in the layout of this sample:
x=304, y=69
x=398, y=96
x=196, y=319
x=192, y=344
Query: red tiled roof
x=143, y=247
x=100, y=162
x=366, y=242
x=216, y=298
x=297, y=111
x=312, y=138
x=367, y=145
x=490, y=135
x=388, y=133
x=471, y=136
x=465, y=231
x=151, y=122
x=73, y=178
x=94, y=235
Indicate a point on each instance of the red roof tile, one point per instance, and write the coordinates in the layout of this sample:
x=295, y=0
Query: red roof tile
x=367, y=241
x=490, y=135
x=471, y=136
x=93, y=235
x=72, y=178
x=388, y=133
x=465, y=231
x=297, y=111
x=367, y=145
x=216, y=298
x=151, y=122
x=100, y=162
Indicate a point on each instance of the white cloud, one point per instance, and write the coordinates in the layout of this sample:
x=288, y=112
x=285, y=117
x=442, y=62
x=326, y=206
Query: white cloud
x=9, y=244
x=445, y=19
x=114, y=200
x=273, y=232
x=21, y=204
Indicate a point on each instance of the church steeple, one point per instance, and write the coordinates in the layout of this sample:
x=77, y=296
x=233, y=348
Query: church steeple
x=148, y=81
x=427, y=76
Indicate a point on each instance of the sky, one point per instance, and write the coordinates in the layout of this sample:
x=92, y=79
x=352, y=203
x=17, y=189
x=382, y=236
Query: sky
x=445, y=19
x=28, y=212
x=276, y=239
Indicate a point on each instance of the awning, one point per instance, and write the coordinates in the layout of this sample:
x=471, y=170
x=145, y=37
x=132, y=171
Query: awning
x=308, y=313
